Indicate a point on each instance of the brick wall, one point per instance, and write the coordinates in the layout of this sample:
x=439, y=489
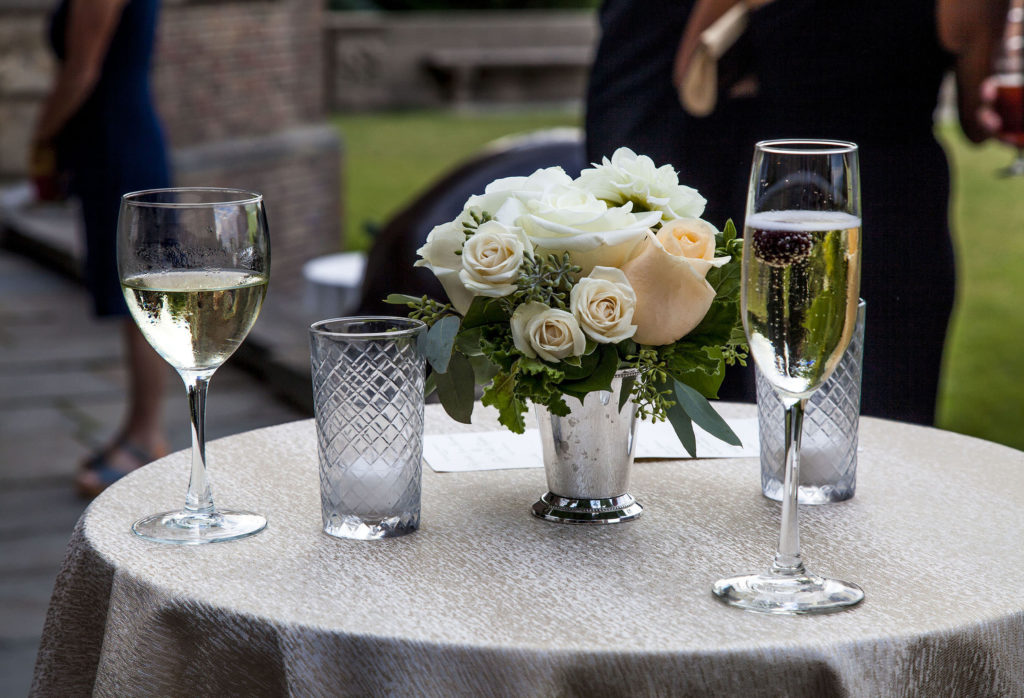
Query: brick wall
x=237, y=69
x=239, y=86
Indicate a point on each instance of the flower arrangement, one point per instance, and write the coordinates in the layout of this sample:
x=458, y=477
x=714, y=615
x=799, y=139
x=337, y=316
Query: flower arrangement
x=554, y=284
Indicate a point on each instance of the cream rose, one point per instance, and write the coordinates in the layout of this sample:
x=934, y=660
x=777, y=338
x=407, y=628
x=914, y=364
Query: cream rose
x=491, y=259
x=603, y=303
x=441, y=255
x=571, y=219
x=549, y=333
x=672, y=295
x=692, y=238
x=628, y=177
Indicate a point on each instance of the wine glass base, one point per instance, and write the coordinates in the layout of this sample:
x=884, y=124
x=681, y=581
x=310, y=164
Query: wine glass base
x=191, y=528
x=787, y=594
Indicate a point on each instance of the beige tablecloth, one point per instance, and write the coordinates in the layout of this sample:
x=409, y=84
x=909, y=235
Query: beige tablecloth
x=484, y=600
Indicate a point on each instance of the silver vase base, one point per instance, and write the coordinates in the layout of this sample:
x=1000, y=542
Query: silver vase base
x=552, y=507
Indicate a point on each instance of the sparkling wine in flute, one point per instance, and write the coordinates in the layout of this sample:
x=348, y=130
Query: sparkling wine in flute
x=801, y=294
x=195, y=319
x=1010, y=107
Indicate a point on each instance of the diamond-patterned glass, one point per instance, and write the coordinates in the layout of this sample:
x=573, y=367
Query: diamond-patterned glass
x=368, y=403
x=828, y=453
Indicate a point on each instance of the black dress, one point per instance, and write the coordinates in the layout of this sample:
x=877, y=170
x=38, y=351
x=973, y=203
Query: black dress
x=867, y=71
x=113, y=144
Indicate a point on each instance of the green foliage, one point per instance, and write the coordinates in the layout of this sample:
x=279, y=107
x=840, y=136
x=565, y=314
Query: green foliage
x=440, y=342
x=649, y=393
x=546, y=280
x=474, y=221
x=456, y=388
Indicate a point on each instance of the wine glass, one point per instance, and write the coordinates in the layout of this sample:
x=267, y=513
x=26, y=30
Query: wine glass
x=800, y=290
x=194, y=265
x=1009, y=80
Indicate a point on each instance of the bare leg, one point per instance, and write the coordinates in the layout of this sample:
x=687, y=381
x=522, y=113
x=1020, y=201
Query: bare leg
x=142, y=430
x=148, y=374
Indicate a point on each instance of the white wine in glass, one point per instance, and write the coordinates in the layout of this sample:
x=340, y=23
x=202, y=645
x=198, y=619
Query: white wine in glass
x=800, y=291
x=194, y=265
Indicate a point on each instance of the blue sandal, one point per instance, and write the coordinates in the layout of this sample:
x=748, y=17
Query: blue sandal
x=106, y=472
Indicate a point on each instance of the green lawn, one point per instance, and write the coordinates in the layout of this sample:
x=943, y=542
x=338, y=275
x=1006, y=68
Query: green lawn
x=391, y=157
x=983, y=393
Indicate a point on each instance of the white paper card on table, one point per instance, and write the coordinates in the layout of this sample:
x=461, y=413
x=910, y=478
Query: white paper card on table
x=503, y=450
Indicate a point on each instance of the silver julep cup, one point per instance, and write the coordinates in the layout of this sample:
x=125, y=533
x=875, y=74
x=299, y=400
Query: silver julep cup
x=588, y=456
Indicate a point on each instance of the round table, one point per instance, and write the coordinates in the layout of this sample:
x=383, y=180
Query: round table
x=486, y=600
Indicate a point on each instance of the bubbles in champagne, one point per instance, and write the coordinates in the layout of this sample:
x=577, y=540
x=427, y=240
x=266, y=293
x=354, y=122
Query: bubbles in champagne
x=800, y=294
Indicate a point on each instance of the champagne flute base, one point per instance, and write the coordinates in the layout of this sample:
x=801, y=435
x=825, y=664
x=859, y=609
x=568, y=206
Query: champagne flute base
x=192, y=528
x=786, y=594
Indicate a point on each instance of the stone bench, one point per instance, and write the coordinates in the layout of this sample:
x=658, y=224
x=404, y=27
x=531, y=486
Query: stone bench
x=462, y=66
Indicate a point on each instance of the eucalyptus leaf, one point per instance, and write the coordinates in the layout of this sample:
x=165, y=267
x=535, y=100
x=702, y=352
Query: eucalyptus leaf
x=440, y=341
x=701, y=412
x=483, y=368
x=456, y=388
x=430, y=384
x=401, y=299
x=683, y=427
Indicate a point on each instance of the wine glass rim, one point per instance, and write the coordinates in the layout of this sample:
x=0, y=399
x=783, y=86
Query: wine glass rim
x=806, y=146
x=231, y=196
x=402, y=327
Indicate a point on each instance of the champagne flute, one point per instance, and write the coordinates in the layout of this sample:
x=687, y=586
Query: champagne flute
x=194, y=265
x=1009, y=79
x=800, y=290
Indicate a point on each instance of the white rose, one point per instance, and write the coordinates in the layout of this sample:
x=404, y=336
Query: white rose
x=491, y=259
x=551, y=334
x=571, y=219
x=604, y=303
x=504, y=199
x=629, y=177
x=441, y=255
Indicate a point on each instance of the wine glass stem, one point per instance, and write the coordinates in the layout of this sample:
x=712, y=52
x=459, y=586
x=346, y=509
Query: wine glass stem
x=787, y=557
x=199, y=499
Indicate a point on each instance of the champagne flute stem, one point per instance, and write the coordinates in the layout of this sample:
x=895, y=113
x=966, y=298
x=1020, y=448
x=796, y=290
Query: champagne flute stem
x=787, y=557
x=198, y=499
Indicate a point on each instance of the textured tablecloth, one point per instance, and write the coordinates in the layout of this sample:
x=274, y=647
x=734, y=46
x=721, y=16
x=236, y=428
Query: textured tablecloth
x=486, y=600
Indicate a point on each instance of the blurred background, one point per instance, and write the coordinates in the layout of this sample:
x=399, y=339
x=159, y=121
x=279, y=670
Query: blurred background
x=342, y=114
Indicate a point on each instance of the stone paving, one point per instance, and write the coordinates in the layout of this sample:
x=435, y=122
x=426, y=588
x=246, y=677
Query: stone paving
x=61, y=395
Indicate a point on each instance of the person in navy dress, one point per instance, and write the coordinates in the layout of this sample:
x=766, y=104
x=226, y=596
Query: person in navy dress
x=100, y=122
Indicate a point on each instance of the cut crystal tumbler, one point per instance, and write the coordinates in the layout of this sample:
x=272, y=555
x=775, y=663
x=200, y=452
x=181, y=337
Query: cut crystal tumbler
x=368, y=402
